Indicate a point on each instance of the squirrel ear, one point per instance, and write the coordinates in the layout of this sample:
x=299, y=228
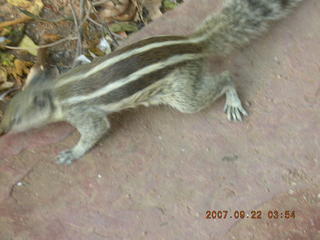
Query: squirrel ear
x=39, y=74
x=42, y=70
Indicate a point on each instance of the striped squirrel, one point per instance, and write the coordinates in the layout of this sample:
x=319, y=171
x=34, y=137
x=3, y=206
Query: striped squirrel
x=158, y=70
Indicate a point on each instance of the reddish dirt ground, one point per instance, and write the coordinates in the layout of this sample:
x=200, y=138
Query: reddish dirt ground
x=159, y=171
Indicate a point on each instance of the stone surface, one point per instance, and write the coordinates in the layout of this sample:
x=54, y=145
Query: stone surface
x=159, y=171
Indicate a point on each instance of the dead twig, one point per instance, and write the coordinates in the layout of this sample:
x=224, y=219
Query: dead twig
x=23, y=19
x=44, y=45
x=35, y=17
x=104, y=27
x=77, y=30
x=138, y=6
x=85, y=15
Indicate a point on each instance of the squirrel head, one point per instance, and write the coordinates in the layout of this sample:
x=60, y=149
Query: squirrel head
x=28, y=109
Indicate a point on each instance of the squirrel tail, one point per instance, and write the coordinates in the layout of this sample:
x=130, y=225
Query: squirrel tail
x=241, y=21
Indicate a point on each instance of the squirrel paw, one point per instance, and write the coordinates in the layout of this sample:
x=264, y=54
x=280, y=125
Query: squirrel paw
x=235, y=112
x=66, y=157
x=233, y=107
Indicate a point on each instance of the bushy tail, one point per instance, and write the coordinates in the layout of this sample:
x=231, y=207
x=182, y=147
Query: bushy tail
x=240, y=21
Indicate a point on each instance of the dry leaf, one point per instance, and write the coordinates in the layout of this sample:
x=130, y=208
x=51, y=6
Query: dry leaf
x=29, y=45
x=153, y=7
x=125, y=10
x=123, y=35
x=4, y=84
x=18, y=70
x=11, y=36
x=48, y=38
x=169, y=4
x=22, y=67
x=123, y=27
x=6, y=59
x=5, y=31
x=3, y=75
x=34, y=6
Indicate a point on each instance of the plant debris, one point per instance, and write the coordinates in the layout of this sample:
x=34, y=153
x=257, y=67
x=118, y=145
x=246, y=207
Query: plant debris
x=29, y=45
x=123, y=27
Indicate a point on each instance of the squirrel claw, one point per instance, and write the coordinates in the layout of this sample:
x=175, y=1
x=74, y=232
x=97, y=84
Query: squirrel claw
x=233, y=107
x=235, y=112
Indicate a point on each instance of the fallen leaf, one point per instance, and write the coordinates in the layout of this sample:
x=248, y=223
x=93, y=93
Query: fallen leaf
x=153, y=7
x=3, y=75
x=123, y=27
x=23, y=19
x=6, y=85
x=5, y=31
x=51, y=37
x=6, y=59
x=12, y=35
x=124, y=10
x=16, y=68
x=169, y=4
x=20, y=3
x=33, y=7
x=28, y=45
x=22, y=67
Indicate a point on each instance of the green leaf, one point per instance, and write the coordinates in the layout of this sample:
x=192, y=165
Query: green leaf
x=6, y=59
x=168, y=4
x=123, y=27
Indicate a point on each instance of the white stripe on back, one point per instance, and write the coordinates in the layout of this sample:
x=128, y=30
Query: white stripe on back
x=125, y=55
x=132, y=77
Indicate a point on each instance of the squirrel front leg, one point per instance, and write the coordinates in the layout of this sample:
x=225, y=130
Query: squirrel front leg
x=92, y=125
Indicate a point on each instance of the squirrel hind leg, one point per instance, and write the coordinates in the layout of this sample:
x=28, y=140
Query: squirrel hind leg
x=196, y=94
x=92, y=125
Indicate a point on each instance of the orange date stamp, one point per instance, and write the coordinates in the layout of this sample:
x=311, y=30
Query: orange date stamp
x=254, y=214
